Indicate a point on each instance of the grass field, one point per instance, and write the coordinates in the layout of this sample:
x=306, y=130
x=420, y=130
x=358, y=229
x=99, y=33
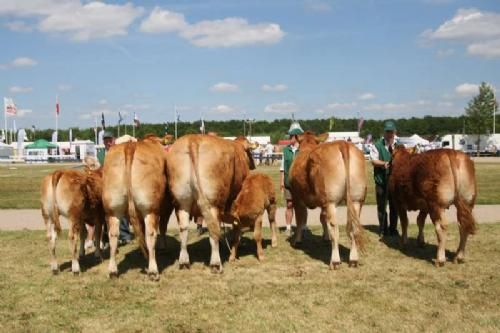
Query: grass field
x=20, y=184
x=291, y=291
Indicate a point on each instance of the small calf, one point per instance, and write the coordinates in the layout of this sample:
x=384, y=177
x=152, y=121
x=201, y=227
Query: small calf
x=257, y=194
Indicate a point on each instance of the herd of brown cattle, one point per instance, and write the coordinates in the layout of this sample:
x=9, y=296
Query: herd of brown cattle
x=204, y=175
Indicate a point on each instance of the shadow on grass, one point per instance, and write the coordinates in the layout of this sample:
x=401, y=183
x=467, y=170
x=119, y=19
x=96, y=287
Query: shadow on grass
x=315, y=247
x=412, y=249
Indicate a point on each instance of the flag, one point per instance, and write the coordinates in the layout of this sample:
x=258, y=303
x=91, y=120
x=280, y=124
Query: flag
x=10, y=108
x=202, y=127
x=54, y=136
x=120, y=118
x=57, y=105
x=360, y=124
x=368, y=138
x=332, y=122
x=136, y=120
x=103, y=122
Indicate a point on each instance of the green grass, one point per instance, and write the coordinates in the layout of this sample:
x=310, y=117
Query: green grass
x=291, y=291
x=20, y=184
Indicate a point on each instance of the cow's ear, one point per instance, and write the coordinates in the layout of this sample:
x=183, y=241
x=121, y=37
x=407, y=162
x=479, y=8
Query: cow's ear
x=322, y=137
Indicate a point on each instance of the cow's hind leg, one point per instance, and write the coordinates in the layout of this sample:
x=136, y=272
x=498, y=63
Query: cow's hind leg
x=333, y=229
x=271, y=214
x=301, y=218
x=421, y=223
x=353, y=253
x=114, y=231
x=403, y=216
x=151, y=227
x=74, y=238
x=257, y=236
x=441, y=225
x=183, y=219
x=52, y=237
x=235, y=242
x=214, y=231
x=324, y=224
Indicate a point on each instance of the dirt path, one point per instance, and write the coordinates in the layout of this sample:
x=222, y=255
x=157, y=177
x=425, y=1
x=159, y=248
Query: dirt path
x=31, y=219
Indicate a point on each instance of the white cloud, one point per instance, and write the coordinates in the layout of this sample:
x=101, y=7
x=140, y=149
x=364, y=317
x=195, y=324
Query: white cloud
x=445, y=53
x=222, y=109
x=161, y=21
x=20, y=62
x=136, y=107
x=228, y=32
x=445, y=104
x=103, y=101
x=341, y=106
x=366, y=96
x=97, y=114
x=79, y=21
x=285, y=107
x=224, y=87
x=274, y=88
x=487, y=49
x=317, y=6
x=20, y=90
x=467, y=89
x=18, y=26
x=23, y=112
x=64, y=87
x=480, y=31
x=386, y=107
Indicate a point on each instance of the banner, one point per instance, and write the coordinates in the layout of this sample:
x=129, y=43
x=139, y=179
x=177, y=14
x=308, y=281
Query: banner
x=360, y=124
x=54, y=137
x=57, y=105
x=136, y=120
x=332, y=122
x=10, y=108
x=202, y=127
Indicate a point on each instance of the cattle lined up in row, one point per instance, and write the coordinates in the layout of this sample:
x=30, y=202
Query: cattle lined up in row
x=430, y=182
x=75, y=195
x=208, y=176
x=324, y=175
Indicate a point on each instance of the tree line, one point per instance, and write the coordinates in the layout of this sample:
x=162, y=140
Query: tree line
x=277, y=129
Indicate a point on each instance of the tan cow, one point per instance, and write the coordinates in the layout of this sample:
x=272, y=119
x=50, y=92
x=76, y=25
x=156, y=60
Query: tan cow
x=256, y=196
x=324, y=176
x=77, y=196
x=206, y=173
x=430, y=182
x=134, y=185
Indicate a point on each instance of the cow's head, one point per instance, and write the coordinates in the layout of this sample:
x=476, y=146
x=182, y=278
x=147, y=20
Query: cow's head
x=309, y=138
x=91, y=163
x=248, y=147
x=400, y=151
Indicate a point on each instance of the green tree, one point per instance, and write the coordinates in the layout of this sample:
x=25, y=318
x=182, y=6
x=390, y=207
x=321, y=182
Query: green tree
x=479, y=112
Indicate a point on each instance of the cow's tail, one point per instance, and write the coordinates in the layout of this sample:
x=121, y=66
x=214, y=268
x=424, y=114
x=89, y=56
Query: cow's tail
x=56, y=176
x=354, y=226
x=464, y=210
x=203, y=203
x=134, y=220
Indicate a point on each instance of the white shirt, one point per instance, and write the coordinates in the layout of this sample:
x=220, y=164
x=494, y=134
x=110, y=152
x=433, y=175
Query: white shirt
x=374, y=154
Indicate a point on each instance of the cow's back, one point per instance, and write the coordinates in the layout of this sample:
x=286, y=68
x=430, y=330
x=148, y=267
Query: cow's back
x=114, y=178
x=319, y=176
x=256, y=194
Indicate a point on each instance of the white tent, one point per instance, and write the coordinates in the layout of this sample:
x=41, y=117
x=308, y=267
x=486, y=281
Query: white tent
x=414, y=140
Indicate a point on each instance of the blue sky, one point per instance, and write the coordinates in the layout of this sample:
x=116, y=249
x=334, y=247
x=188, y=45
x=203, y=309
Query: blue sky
x=235, y=59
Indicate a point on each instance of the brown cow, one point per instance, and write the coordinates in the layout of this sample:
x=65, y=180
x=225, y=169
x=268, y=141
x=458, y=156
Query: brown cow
x=77, y=196
x=134, y=185
x=256, y=196
x=205, y=173
x=431, y=182
x=324, y=176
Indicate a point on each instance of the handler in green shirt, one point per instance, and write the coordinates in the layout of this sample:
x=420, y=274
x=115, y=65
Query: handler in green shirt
x=381, y=156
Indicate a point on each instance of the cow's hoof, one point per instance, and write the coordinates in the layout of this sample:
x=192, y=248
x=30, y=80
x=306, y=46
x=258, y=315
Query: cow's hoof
x=55, y=271
x=439, y=263
x=154, y=276
x=334, y=265
x=457, y=260
x=113, y=275
x=274, y=244
x=261, y=258
x=353, y=263
x=76, y=273
x=216, y=269
x=184, y=266
x=232, y=259
x=297, y=244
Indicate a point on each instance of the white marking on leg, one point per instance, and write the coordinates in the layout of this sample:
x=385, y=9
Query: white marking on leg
x=114, y=231
x=183, y=217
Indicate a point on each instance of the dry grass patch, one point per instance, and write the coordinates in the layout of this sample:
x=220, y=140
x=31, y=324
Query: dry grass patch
x=291, y=291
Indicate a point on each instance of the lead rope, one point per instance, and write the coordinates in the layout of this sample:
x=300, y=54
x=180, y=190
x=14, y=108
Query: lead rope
x=225, y=236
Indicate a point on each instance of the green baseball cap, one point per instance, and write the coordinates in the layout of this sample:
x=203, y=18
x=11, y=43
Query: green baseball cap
x=107, y=134
x=389, y=126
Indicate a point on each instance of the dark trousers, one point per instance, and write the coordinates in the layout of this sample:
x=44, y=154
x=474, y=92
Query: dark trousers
x=383, y=197
x=125, y=234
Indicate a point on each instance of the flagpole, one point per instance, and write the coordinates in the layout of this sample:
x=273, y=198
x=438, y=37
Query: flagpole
x=133, y=126
x=57, y=118
x=5, y=120
x=95, y=130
